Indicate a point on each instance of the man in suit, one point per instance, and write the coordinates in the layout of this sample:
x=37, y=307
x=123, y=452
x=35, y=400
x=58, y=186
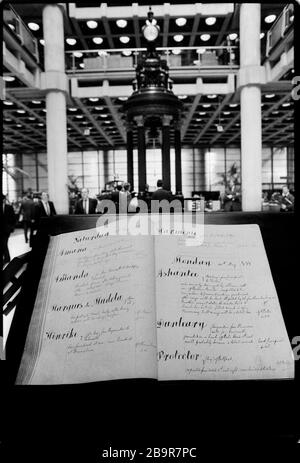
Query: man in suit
x=161, y=193
x=86, y=205
x=44, y=208
x=9, y=222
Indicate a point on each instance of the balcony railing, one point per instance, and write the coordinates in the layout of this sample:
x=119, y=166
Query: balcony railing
x=19, y=30
x=127, y=59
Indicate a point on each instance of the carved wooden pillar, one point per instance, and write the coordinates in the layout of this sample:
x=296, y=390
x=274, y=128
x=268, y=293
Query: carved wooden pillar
x=141, y=152
x=130, y=172
x=166, y=169
x=178, y=172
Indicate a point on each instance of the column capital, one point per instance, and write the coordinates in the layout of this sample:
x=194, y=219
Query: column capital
x=139, y=121
x=251, y=75
x=166, y=120
x=54, y=80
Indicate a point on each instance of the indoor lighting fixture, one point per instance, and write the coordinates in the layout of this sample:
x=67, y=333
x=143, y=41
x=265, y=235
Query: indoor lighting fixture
x=72, y=109
x=198, y=120
x=121, y=23
x=270, y=18
x=7, y=119
x=8, y=103
x=11, y=26
x=19, y=125
x=286, y=104
x=126, y=52
x=94, y=99
x=41, y=124
x=202, y=113
x=275, y=112
x=8, y=78
x=36, y=102
x=99, y=108
x=81, y=65
x=176, y=51
x=233, y=105
x=21, y=111
x=205, y=37
x=270, y=95
x=206, y=105
x=210, y=21
x=182, y=97
x=180, y=21
x=42, y=42
x=123, y=98
x=79, y=116
x=103, y=115
x=262, y=34
x=92, y=24
x=232, y=36
x=77, y=54
x=97, y=40
x=226, y=113
x=124, y=39
x=211, y=96
x=33, y=26
x=237, y=124
x=106, y=122
x=71, y=41
x=262, y=105
x=31, y=118
x=178, y=38
x=44, y=110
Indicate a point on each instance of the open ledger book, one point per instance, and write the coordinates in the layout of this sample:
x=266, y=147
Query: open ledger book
x=118, y=307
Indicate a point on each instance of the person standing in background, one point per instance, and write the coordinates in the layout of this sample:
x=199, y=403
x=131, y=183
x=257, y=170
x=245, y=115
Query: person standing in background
x=27, y=214
x=9, y=222
x=86, y=205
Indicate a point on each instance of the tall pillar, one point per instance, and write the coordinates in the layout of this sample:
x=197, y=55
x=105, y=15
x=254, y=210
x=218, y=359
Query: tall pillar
x=165, y=154
x=130, y=177
x=178, y=171
x=54, y=81
x=141, y=152
x=249, y=80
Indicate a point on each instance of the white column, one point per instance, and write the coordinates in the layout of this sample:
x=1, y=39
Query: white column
x=55, y=82
x=250, y=76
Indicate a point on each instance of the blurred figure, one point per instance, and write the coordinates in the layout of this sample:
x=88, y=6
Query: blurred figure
x=232, y=200
x=161, y=193
x=286, y=200
x=27, y=213
x=86, y=205
x=9, y=222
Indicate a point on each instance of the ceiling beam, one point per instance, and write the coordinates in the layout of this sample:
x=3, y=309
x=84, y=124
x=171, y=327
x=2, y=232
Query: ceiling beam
x=35, y=114
x=277, y=121
x=104, y=11
x=28, y=126
x=189, y=116
x=14, y=141
x=194, y=30
x=166, y=24
x=88, y=137
x=283, y=129
x=223, y=29
x=79, y=33
x=213, y=117
x=264, y=114
x=116, y=117
x=93, y=121
x=230, y=124
x=26, y=137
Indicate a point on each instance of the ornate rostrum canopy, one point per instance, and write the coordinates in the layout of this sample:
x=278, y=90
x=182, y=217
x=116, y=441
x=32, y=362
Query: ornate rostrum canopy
x=153, y=105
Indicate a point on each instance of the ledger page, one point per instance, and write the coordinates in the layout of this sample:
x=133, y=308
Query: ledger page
x=218, y=314
x=94, y=315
